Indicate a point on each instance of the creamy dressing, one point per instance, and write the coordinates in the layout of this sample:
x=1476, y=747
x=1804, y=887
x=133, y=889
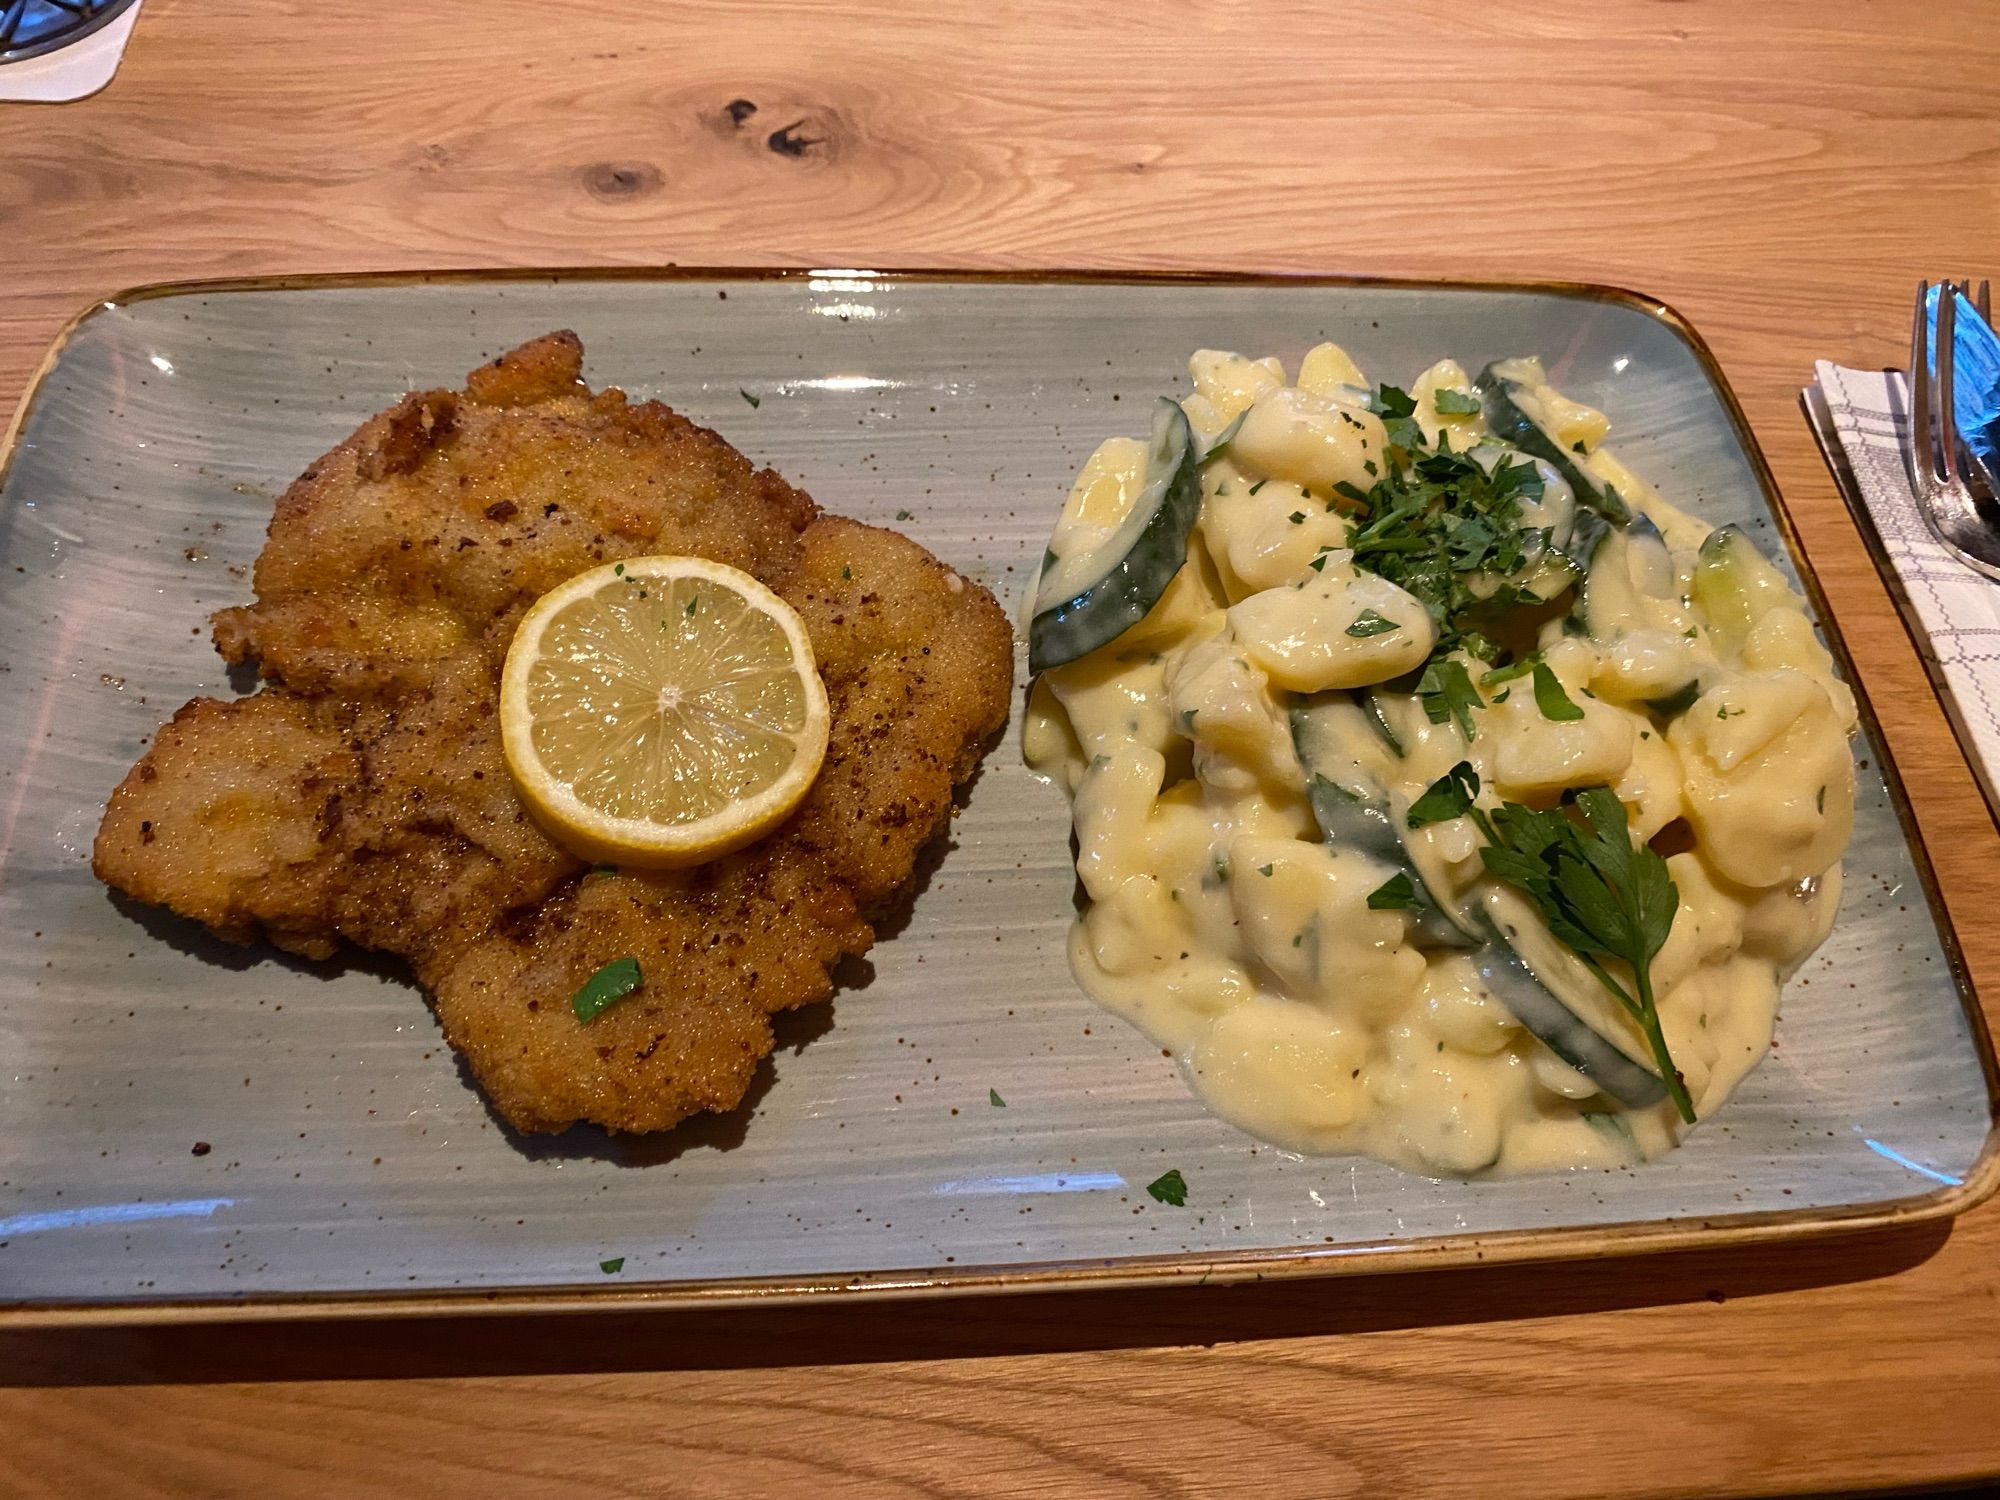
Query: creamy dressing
x=1223, y=925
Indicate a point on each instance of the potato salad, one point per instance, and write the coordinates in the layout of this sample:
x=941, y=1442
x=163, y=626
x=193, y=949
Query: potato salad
x=1441, y=793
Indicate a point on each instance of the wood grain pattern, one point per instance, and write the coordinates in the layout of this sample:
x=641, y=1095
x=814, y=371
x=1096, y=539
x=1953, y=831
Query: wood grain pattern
x=1781, y=173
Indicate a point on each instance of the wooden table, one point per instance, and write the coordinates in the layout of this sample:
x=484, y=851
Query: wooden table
x=1782, y=173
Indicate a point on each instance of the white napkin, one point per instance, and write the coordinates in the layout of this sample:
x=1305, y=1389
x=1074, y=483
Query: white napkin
x=70, y=72
x=1954, y=612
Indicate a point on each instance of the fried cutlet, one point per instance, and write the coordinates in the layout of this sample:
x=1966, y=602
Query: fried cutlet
x=361, y=796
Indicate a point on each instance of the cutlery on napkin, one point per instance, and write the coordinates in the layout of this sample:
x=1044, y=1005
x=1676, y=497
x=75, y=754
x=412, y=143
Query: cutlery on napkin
x=1861, y=418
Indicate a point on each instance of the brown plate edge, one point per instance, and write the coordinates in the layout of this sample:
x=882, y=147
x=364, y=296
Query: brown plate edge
x=1366, y=1257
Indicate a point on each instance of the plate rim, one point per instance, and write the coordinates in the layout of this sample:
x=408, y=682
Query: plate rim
x=1362, y=1257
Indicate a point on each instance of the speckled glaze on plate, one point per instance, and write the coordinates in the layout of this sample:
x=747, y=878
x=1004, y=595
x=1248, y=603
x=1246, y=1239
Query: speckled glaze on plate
x=193, y=1130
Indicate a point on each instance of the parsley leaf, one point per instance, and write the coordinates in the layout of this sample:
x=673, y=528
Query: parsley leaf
x=1599, y=894
x=1550, y=698
x=1447, y=693
x=1450, y=403
x=611, y=983
x=1170, y=1188
x=1518, y=668
x=1369, y=623
x=1450, y=796
x=993, y=1098
x=1392, y=403
x=1394, y=894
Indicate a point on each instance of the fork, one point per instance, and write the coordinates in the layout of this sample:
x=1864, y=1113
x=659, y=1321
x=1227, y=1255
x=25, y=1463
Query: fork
x=1937, y=469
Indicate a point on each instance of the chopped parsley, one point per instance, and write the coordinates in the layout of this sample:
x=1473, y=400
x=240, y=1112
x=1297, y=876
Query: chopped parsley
x=1819, y=801
x=847, y=574
x=1169, y=1188
x=1550, y=698
x=1450, y=403
x=1298, y=518
x=1727, y=712
x=1258, y=485
x=611, y=983
x=1513, y=669
x=1450, y=796
x=993, y=1098
x=612, y=1266
x=902, y=515
x=1447, y=693
x=1369, y=623
x=1265, y=870
x=691, y=605
x=754, y=402
x=1394, y=894
x=1388, y=401
x=1439, y=522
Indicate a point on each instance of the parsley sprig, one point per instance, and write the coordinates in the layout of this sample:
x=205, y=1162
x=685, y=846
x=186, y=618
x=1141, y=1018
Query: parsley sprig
x=1601, y=895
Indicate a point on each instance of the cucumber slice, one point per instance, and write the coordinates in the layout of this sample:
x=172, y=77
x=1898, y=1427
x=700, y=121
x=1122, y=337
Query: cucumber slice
x=1510, y=980
x=1225, y=437
x=1627, y=562
x=1354, y=812
x=1378, y=720
x=1508, y=407
x=1735, y=586
x=1101, y=596
x=1679, y=701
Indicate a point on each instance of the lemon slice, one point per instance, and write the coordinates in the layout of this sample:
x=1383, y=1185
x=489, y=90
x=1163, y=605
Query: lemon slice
x=661, y=711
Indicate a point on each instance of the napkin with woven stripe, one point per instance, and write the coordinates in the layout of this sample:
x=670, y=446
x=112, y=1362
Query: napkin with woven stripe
x=1954, y=612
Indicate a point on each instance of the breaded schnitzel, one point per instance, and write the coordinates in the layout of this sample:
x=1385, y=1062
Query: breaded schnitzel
x=361, y=795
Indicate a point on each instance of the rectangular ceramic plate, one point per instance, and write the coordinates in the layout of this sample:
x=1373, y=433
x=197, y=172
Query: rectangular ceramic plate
x=349, y=1166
